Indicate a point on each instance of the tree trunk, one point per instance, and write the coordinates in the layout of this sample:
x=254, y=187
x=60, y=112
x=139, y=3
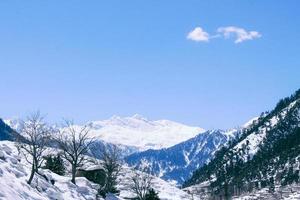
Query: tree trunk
x=31, y=175
x=73, y=174
x=35, y=165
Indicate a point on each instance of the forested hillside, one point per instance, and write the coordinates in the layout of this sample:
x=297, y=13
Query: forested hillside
x=177, y=163
x=267, y=154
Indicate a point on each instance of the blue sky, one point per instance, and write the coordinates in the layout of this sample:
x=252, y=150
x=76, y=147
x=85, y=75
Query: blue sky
x=89, y=60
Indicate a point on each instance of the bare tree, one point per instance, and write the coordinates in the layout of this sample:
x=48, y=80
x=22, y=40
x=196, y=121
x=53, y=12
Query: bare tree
x=36, y=134
x=74, y=143
x=110, y=160
x=141, y=183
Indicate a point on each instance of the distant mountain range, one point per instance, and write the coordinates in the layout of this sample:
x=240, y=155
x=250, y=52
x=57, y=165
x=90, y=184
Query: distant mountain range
x=136, y=132
x=141, y=133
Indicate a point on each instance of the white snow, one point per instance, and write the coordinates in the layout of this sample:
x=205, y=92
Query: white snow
x=139, y=132
x=13, y=123
x=15, y=171
x=248, y=123
x=230, y=133
x=166, y=191
x=289, y=192
x=254, y=139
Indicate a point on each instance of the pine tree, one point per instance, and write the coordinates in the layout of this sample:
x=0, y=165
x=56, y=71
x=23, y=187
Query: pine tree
x=55, y=164
x=152, y=195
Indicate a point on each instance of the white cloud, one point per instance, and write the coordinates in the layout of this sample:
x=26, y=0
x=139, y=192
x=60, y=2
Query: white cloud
x=240, y=33
x=198, y=35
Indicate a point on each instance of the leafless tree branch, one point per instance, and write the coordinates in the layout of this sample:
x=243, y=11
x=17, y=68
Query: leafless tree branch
x=37, y=134
x=74, y=142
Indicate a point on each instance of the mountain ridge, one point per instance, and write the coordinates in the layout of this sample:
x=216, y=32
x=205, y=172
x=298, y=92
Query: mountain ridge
x=176, y=163
x=264, y=156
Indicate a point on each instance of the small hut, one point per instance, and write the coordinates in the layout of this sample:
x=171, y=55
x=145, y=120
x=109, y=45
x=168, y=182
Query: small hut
x=95, y=174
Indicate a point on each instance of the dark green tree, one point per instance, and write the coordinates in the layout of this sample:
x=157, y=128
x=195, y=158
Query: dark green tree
x=152, y=195
x=55, y=164
x=110, y=160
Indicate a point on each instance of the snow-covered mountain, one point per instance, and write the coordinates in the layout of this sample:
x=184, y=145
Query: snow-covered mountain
x=14, y=173
x=266, y=156
x=177, y=163
x=13, y=123
x=139, y=132
x=7, y=133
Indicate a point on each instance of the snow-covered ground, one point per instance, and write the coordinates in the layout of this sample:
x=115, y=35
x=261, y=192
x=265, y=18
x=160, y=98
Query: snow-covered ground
x=290, y=192
x=15, y=171
x=165, y=190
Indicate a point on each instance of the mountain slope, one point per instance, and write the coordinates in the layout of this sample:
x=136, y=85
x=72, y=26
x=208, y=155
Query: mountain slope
x=266, y=154
x=176, y=163
x=7, y=133
x=14, y=172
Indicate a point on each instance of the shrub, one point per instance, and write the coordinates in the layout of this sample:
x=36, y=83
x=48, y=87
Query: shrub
x=55, y=164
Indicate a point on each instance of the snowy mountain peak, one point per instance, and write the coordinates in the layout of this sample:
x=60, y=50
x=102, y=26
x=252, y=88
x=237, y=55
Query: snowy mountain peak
x=133, y=117
x=137, y=131
x=13, y=123
x=115, y=117
x=139, y=117
x=142, y=133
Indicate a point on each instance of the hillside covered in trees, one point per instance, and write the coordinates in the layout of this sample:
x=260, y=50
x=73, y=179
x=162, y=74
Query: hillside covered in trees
x=266, y=155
